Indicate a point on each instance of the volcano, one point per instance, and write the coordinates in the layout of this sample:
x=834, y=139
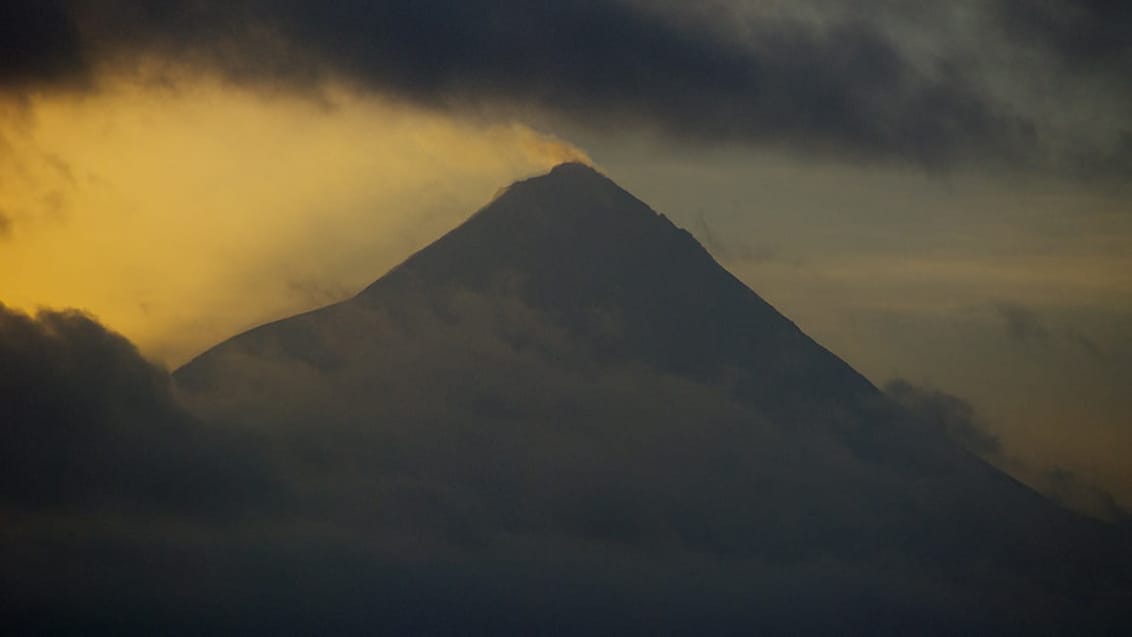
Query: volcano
x=564, y=416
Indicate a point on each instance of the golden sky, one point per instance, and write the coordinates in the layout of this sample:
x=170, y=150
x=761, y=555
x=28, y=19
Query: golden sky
x=181, y=216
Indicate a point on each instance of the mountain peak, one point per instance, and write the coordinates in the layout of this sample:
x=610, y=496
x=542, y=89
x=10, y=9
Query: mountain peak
x=574, y=245
x=571, y=214
x=574, y=174
x=575, y=169
x=572, y=200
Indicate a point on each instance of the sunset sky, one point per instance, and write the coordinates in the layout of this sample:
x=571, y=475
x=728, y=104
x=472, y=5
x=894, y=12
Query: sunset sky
x=937, y=192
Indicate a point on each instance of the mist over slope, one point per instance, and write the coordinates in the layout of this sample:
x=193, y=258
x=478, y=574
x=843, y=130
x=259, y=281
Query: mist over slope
x=564, y=417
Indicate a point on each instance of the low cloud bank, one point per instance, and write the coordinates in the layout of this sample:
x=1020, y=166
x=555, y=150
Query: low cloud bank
x=312, y=486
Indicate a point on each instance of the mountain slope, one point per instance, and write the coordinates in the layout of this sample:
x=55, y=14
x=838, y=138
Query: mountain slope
x=567, y=381
x=604, y=266
x=575, y=245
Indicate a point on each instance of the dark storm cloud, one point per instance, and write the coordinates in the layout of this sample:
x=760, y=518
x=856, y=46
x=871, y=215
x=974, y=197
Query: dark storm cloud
x=1091, y=37
x=844, y=88
x=39, y=44
x=88, y=424
x=1084, y=50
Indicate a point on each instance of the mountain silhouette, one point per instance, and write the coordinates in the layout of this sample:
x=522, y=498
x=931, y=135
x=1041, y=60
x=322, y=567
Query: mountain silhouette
x=602, y=265
x=601, y=430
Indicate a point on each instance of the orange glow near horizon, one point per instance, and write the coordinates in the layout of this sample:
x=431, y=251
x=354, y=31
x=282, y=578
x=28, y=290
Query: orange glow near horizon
x=181, y=216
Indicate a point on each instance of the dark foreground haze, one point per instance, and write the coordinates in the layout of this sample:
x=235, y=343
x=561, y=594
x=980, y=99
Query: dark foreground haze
x=563, y=417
